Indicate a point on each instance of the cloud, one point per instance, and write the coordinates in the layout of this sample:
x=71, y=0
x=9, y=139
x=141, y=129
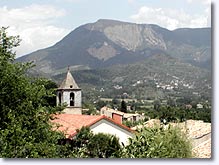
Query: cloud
x=204, y=2
x=169, y=18
x=35, y=26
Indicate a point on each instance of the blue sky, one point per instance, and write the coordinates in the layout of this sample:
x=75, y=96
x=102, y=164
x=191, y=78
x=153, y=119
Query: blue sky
x=42, y=23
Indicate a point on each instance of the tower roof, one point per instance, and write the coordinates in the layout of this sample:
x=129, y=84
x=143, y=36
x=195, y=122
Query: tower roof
x=68, y=82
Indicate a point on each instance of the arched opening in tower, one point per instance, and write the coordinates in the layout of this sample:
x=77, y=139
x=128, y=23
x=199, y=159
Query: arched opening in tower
x=60, y=98
x=72, y=99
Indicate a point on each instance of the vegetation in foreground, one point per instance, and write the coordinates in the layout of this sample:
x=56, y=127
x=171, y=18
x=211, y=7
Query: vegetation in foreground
x=158, y=142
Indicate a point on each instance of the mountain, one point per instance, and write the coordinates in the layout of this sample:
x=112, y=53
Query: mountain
x=109, y=58
x=106, y=43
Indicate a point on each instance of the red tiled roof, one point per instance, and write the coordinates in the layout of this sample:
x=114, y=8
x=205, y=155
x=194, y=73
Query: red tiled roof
x=69, y=123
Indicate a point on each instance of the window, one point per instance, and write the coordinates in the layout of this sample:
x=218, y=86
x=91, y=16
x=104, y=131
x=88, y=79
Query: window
x=72, y=99
x=70, y=86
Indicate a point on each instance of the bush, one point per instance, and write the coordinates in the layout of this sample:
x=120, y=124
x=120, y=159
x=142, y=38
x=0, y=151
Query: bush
x=103, y=146
x=89, y=145
x=158, y=142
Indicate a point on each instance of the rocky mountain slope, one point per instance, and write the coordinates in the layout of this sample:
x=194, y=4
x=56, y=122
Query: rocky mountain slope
x=107, y=42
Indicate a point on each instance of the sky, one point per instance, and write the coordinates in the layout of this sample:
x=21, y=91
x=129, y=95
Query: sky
x=42, y=23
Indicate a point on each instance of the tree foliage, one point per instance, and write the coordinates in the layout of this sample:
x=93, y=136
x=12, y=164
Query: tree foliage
x=25, y=130
x=50, y=87
x=123, y=106
x=103, y=146
x=86, y=144
x=172, y=114
x=158, y=142
x=157, y=104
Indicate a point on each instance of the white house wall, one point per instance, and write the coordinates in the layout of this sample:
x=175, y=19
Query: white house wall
x=104, y=126
x=106, y=113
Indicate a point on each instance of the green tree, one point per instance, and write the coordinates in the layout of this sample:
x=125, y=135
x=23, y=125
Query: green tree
x=25, y=130
x=158, y=142
x=95, y=145
x=83, y=137
x=103, y=146
x=115, y=103
x=171, y=102
x=157, y=104
x=100, y=104
x=123, y=106
x=50, y=86
x=168, y=113
x=91, y=108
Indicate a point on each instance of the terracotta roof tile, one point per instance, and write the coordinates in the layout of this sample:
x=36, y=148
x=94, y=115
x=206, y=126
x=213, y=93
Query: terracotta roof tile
x=69, y=123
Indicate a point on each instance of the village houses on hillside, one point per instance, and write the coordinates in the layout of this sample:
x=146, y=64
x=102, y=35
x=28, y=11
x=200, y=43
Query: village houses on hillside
x=121, y=116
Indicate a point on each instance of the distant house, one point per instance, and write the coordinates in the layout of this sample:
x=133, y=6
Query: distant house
x=199, y=106
x=69, y=123
x=188, y=106
x=123, y=116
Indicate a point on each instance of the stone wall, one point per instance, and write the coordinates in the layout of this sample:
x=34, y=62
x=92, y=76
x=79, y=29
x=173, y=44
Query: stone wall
x=66, y=98
x=73, y=110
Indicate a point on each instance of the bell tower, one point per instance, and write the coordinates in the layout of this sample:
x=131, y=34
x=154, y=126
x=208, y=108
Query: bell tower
x=70, y=94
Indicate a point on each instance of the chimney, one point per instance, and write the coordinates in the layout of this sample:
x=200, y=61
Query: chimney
x=117, y=118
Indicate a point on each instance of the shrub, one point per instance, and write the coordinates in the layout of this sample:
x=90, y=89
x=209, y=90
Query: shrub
x=158, y=142
x=89, y=145
x=103, y=146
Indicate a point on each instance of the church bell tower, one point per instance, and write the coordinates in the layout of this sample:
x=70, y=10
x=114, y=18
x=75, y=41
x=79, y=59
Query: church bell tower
x=70, y=94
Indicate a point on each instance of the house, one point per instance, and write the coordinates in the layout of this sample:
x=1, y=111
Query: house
x=69, y=123
x=69, y=93
x=199, y=106
x=188, y=106
x=132, y=117
x=111, y=113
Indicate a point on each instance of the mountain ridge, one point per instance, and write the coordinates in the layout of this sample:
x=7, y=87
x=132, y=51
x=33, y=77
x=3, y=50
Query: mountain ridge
x=109, y=58
x=109, y=42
